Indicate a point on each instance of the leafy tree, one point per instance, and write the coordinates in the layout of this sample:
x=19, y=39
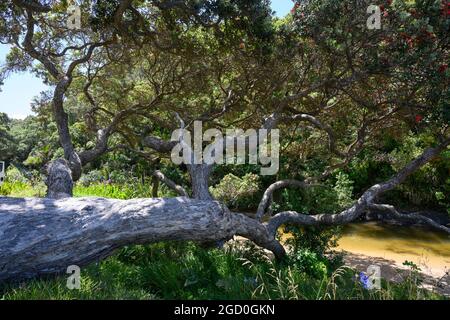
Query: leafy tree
x=140, y=69
x=5, y=137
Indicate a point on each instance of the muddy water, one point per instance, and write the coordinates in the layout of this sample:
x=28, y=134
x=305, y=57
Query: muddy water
x=428, y=249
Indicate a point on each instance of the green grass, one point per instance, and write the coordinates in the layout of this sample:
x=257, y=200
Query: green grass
x=103, y=190
x=119, y=191
x=22, y=190
x=187, y=271
x=113, y=191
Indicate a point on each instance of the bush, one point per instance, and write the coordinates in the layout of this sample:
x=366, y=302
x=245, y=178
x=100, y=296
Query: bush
x=344, y=190
x=310, y=262
x=93, y=176
x=14, y=175
x=237, y=192
x=18, y=185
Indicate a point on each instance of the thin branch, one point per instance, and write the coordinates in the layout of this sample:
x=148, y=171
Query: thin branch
x=171, y=184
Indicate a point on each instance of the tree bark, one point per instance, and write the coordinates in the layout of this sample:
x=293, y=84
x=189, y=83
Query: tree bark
x=59, y=180
x=41, y=237
x=200, y=181
x=268, y=194
x=155, y=187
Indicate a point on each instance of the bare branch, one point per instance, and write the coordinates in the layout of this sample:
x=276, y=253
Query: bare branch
x=171, y=184
x=159, y=144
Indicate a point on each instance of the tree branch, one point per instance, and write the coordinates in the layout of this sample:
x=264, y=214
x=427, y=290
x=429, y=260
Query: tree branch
x=32, y=5
x=171, y=184
x=363, y=203
x=267, y=197
x=158, y=144
x=41, y=237
x=413, y=217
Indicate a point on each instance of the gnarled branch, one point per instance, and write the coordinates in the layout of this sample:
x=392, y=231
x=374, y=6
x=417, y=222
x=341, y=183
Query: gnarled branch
x=266, y=199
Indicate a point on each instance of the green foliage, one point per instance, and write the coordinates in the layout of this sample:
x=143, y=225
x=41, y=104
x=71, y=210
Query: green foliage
x=314, y=240
x=310, y=263
x=344, y=190
x=117, y=191
x=408, y=287
x=412, y=42
x=18, y=185
x=5, y=136
x=237, y=192
x=14, y=175
x=91, y=177
x=428, y=186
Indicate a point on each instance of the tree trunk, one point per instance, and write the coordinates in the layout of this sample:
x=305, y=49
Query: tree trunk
x=155, y=187
x=59, y=180
x=44, y=236
x=200, y=181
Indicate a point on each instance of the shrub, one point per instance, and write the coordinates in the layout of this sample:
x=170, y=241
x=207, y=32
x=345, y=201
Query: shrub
x=344, y=190
x=237, y=192
x=14, y=175
x=309, y=262
x=93, y=176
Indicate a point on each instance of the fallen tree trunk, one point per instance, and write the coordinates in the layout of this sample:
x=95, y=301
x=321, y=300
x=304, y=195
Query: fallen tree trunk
x=41, y=237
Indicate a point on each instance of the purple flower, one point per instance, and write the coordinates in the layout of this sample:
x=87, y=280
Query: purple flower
x=364, y=279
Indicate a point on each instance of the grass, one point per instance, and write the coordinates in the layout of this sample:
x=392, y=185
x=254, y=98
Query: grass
x=188, y=271
x=103, y=190
x=114, y=191
x=22, y=189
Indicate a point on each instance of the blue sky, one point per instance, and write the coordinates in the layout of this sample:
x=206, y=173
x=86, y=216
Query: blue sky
x=19, y=89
